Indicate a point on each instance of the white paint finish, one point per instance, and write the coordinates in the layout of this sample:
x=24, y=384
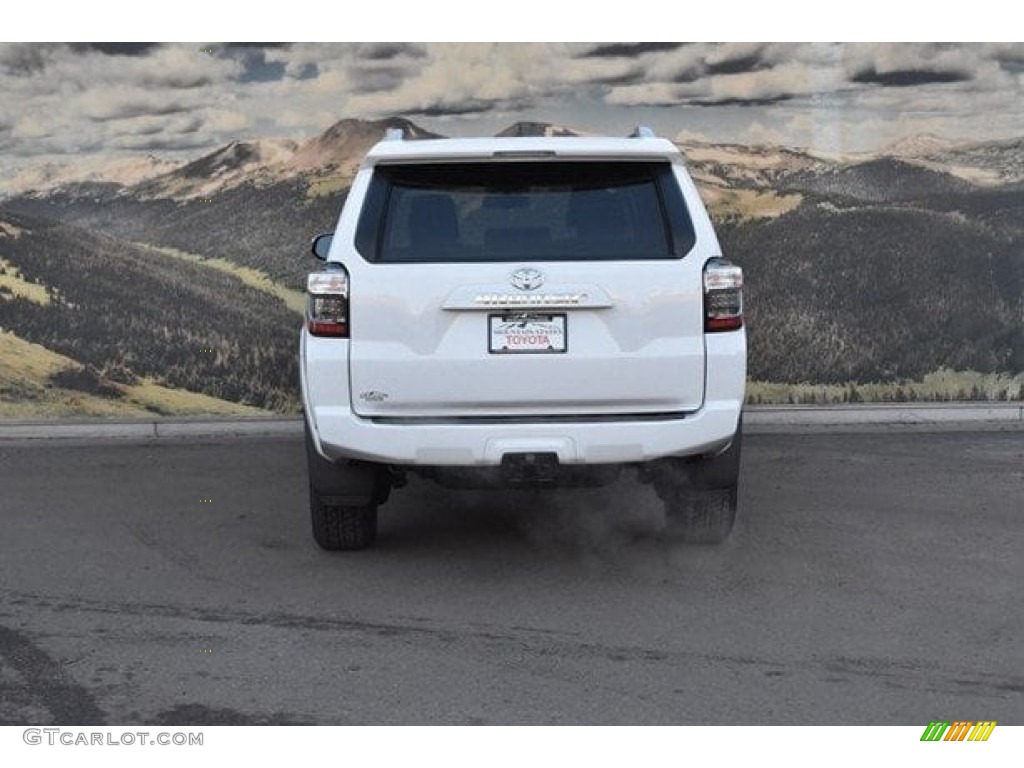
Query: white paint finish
x=420, y=340
x=644, y=353
x=521, y=148
x=346, y=435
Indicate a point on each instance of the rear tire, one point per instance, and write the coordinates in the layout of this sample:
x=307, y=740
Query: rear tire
x=700, y=516
x=342, y=528
x=700, y=496
x=343, y=500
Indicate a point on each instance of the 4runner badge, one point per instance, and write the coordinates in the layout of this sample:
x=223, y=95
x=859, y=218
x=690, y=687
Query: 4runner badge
x=527, y=279
x=373, y=396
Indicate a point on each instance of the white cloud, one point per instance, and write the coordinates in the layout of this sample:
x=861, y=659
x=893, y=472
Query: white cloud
x=644, y=94
x=55, y=100
x=784, y=81
x=114, y=102
x=30, y=127
x=464, y=76
x=306, y=121
x=226, y=121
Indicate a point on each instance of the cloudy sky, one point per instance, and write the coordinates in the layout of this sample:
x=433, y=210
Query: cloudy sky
x=61, y=102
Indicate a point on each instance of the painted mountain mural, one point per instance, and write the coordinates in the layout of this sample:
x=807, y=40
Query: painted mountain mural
x=171, y=283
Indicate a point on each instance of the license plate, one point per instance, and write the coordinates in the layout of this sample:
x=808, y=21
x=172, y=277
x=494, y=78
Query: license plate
x=526, y=333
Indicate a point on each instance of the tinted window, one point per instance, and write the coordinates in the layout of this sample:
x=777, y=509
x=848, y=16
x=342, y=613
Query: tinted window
x=516, y=211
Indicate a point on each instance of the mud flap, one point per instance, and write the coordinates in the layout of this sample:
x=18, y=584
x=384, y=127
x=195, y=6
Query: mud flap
x=347, y=483
x=720, y=471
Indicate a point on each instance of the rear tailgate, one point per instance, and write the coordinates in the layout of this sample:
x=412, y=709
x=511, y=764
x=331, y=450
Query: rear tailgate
x=631, y=343
x=525, y=289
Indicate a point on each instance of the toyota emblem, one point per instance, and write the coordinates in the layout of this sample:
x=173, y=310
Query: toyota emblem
x=527, y=279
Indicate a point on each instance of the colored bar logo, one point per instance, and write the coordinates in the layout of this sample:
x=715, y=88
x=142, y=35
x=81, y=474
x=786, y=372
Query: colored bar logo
x=958, y=730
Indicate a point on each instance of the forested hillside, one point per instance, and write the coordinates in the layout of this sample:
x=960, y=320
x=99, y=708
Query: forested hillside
x=867, y=270
x=126, y=312
x=877, y=294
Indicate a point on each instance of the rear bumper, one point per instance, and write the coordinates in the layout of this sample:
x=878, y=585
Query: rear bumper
x=338, y=433
x=341, y=434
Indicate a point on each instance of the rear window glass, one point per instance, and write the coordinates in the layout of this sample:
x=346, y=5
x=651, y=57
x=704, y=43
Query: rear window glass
x=516, y=211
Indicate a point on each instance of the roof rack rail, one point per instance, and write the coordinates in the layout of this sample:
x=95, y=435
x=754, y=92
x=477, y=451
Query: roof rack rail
x=394, y=134
x=643, y=132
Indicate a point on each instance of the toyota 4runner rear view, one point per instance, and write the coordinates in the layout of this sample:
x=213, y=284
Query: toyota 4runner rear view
x=522, y=312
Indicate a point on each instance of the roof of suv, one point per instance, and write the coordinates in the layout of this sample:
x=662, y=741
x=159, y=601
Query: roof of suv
x=512, y=148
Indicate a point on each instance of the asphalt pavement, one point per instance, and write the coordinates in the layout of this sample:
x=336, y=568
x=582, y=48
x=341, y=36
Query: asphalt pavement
x=874, y=578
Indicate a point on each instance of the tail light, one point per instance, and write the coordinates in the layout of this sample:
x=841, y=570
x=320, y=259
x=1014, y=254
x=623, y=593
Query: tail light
x=723, y=296
x=327, y=303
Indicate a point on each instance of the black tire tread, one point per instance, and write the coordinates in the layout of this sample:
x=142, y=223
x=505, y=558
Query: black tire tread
x=701, y=516
x=343, y=528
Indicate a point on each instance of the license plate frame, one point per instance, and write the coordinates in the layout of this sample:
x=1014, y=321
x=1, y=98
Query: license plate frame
x=532, y=325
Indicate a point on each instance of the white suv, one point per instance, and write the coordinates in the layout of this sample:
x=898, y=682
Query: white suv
x=505, y=312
